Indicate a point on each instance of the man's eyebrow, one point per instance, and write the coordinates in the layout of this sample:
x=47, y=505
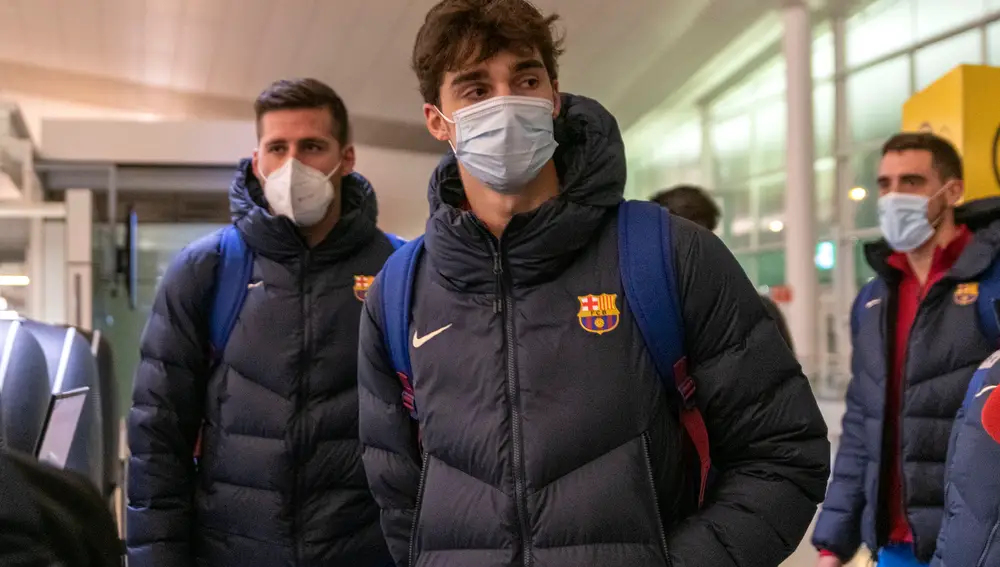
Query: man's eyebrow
x=469, y=76
x=313, y=140
x=527, y=64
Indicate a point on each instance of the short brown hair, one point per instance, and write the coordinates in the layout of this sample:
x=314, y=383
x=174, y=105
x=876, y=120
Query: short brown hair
x=690, y=202
x=290, y=94
x=944, y=156
x=457, y=32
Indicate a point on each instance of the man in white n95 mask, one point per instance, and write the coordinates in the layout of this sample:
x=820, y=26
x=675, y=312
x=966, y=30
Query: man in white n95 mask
x=244, y=425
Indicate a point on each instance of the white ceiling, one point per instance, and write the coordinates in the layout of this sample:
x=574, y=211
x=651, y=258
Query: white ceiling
x=233, y=48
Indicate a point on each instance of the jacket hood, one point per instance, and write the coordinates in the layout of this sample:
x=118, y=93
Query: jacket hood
x=278, y=238
x=537, y=245
x=981, y=216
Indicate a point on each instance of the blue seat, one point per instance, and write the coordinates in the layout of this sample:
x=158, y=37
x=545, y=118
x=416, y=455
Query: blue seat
x=71, y=365
x=24, y=386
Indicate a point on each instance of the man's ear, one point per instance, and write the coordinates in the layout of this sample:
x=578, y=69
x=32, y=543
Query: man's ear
x=348, y=160
x=955, y=192
x=556, y=99
x=436, y=124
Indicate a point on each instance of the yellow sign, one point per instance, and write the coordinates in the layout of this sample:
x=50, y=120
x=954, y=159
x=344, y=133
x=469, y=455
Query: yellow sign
x=962, y=107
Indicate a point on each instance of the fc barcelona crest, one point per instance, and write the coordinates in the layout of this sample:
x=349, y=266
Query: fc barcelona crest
x=966, y=293
x=598, y=313
x=361, y=285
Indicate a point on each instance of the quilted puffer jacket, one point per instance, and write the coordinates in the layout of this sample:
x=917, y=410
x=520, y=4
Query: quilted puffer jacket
x=548, y=439
x=280, y=479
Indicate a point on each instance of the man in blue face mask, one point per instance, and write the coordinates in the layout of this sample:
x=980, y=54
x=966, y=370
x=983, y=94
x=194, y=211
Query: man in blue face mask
x=917, y=342
x=532, y=427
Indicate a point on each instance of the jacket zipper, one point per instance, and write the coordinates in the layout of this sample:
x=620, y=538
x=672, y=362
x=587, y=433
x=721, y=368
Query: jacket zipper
x=416, y=513
x=904, y=373
x=656, y=498
x=989, y=545
x=300, y=402
x=504, y=304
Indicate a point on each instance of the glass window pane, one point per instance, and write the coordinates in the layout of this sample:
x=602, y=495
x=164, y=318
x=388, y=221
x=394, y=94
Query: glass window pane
x=769, y=137
x=882, y=28
x=993, y=42
x=865, y=168
x=875, y=98
x=771, y=268
x=823, y=118
x=935, y=60
x=731, y=149
x=938, y=16
x=771, y=208
x=822, y=56
x=737, y=216
x=770, y=80
x=825, y=182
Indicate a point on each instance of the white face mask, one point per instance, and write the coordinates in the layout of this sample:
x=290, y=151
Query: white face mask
x=903, y=219
x=504, y=141
x=299, y=192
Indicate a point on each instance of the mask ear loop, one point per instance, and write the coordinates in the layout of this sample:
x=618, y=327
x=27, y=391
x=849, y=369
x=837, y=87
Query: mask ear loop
x=937, y=221
x=449, y=121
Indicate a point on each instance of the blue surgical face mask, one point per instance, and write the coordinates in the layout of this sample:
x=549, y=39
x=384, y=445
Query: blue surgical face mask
x=504, y=141
x=903, y=220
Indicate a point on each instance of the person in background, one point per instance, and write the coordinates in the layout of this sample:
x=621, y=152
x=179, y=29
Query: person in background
x=279, y=480
x=52, y=518
x=544, y=436
x=696, y=205
x=970, y=534
x=916, y=343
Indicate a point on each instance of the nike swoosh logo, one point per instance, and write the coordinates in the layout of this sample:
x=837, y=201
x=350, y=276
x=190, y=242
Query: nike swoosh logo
x=421, y=341
x=255, y=284
x=872, y=303
x=984, y=390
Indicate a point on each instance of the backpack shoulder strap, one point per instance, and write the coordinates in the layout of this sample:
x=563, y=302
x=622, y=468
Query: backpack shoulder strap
x=395, y=284
x=986, y=304
x=645, y=258
x=232, y=276
x=396, y=241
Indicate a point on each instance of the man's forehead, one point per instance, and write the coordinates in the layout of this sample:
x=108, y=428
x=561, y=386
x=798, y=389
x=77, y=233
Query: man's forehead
x=907, y=159
x=296, y=123
x=511, y=58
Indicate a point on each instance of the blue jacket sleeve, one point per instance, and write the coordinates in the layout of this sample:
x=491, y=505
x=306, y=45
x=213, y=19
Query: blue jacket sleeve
x=167, y=405
x=838, y=529
x=389, y=436
x=970, y=532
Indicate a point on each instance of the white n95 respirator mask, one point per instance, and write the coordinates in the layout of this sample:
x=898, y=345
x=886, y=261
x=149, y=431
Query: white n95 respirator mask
x=299, y=192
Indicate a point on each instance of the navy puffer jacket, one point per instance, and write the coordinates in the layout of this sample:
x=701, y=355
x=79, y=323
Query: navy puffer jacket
x=280, y=480
x=543, y=443
x=946, y=345
x=970, y=534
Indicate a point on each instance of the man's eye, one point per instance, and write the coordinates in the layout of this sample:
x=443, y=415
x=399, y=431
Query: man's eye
x=476, y=92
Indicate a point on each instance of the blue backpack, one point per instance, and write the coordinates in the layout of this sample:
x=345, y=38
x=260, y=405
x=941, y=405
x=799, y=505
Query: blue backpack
x=647, y=272
x=232, y=276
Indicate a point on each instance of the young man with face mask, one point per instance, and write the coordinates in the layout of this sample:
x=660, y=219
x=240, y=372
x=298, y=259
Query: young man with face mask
x=279, y=478
x=545, y=437
x=917, y=341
